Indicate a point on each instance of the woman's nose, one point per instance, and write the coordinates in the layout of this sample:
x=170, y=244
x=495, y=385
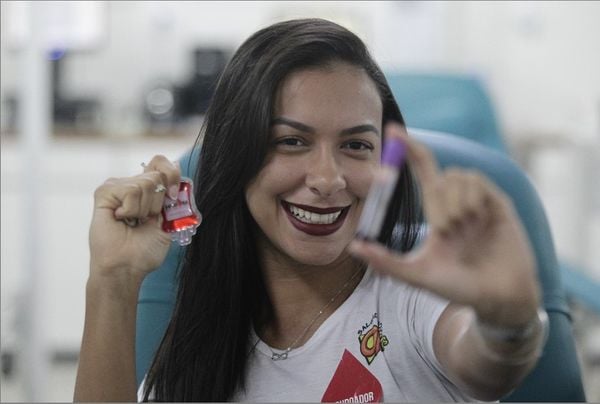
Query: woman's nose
x=324, y=175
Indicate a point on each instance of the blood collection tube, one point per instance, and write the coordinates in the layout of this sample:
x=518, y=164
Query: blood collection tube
x=381, y=190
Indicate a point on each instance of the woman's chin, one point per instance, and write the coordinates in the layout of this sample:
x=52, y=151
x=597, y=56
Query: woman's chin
x=322, y=258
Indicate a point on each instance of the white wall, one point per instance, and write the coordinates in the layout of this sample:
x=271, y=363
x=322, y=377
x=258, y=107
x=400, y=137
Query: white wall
x=542, y=59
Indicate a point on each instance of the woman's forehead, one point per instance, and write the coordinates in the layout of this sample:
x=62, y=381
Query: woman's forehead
x=297, y=79
x=341, y=91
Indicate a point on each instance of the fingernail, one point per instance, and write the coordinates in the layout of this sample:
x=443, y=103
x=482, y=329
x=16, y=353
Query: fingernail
x=173, y=191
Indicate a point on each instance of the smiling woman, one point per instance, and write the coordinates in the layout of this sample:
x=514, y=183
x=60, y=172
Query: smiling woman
x=325, y=148
x=276, y=299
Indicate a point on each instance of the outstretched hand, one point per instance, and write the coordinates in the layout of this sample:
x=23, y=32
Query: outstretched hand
x=475, y=253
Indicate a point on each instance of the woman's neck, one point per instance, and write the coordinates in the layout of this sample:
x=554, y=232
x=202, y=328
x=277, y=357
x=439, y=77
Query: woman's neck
x=299, y=293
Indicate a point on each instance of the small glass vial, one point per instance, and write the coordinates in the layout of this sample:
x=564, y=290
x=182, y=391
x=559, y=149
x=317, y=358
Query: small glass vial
x=382, y=188
x=181, y=216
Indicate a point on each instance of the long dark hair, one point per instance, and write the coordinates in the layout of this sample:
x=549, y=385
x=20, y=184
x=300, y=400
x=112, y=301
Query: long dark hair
x=221, y=292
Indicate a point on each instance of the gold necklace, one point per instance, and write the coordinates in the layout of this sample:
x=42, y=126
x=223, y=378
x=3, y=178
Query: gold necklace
x=283, y=355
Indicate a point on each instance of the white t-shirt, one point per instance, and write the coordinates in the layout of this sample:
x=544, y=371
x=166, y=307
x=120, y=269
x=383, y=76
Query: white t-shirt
x=377, y=346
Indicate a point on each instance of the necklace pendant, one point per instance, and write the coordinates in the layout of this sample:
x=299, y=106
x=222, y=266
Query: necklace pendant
x=279, y=356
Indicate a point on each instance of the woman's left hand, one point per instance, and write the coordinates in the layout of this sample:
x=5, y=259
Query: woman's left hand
x=476, y=252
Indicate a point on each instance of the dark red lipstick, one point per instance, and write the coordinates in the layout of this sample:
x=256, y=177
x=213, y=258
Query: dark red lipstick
x=312, y=228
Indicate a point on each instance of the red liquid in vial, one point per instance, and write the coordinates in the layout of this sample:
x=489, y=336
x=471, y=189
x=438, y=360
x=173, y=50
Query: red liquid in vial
x=180, y=224
x=181, y=217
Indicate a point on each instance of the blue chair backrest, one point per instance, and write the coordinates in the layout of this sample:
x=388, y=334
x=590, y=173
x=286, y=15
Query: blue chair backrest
x=451, y=103
x=556, y=377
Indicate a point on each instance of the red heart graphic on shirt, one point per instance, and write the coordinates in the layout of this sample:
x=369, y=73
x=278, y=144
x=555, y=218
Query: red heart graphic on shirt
x=352, y=383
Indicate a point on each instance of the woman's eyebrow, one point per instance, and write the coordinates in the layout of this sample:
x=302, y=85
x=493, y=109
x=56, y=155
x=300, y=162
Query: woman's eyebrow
x=360, y=129
x=294, y=124
x=309, y=129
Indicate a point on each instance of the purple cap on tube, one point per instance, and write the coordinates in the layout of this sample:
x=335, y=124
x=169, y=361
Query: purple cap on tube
x=394, y=152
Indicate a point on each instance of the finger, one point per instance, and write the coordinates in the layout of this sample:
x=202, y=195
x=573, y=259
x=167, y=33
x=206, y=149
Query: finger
x=420, y=157
x=129, y=198
x=407, y=267
x=474, y=195
x=414, y=269
x=463, y=197
x=434, y=207
x=157, y=203
x=395, y=130
x=129, y=194
x=170, y=172
x=451, y=202
x=153, y=191
x=490, y=200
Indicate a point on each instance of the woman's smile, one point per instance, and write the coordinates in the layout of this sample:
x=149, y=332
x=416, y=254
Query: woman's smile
x=313, y=220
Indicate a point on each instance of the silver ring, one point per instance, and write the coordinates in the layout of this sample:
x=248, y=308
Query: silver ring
x=160, y=188
x=134, y=222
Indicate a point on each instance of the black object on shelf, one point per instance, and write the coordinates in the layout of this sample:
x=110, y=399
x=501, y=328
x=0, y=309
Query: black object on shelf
x=166, y=102
x=80, y=113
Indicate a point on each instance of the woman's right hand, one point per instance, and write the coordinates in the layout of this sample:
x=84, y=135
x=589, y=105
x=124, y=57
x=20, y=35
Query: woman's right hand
x=119, y=250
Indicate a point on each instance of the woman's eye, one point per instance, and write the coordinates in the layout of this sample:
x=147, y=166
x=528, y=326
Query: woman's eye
x=289, y=142
x=357, y=145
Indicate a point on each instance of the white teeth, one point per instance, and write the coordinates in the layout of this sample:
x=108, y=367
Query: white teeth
x=312, y=217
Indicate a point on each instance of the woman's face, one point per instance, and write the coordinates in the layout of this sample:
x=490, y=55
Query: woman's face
x=325, y=145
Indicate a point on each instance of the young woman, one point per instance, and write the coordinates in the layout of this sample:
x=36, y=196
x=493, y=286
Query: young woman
x=277, y=301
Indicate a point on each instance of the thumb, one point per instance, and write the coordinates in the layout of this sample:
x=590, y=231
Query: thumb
x=408, y=267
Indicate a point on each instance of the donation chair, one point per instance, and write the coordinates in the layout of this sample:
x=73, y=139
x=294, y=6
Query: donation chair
x=557, y=375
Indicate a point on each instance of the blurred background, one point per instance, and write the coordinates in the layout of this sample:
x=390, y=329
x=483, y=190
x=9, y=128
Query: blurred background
x=91, y=89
